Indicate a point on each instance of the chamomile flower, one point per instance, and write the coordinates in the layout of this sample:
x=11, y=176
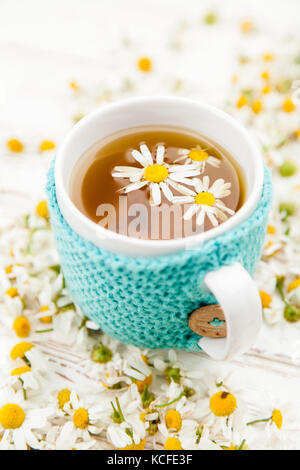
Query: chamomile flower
x=85, y=419
x=199, y=157
x=158, y=175
x=278, y=420
x=29, y=379
x=206, y=201
x=19, y=421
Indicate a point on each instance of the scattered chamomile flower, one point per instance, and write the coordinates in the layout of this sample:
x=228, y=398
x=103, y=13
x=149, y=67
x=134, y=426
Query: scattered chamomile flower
x=85, y=419
x=15, y=145
x=19, y=421
x=42, y=209
x=246, y=26
x=144, y=64
x=278, y=420
x=47, y=145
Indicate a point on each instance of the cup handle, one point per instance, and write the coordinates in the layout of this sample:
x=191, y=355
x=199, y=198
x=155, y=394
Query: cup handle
x=239, y=299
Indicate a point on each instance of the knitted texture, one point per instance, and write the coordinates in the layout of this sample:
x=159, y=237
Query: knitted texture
x=147, y=301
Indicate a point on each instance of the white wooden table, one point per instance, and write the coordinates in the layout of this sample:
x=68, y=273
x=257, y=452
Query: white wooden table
x=45, y=44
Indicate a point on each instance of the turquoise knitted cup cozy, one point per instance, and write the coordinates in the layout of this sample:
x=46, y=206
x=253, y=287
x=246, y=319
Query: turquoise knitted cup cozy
x=147, y=301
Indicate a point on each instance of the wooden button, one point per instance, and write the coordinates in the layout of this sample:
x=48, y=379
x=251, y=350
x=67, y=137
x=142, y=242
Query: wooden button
x=200, y=321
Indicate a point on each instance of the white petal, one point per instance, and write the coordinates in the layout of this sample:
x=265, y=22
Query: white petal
x=181, y=179
x=139, y=158
x=130, y=170
x=212, y=219
x=213, y=161
x=200, y=217
x=222, y=206
x=160, y=154
x=180, y=159
x=191, y=211
x=216, y=185
x=146, y=154
x=19, y=439
x=198, y=185
x=220, y=214
x=222, y=193
x=205, y=183
x=167, y=192
x=181, y=189
x=183, y=151
x=155, y=193
x=134, y=186
x=136, y=177
x=183, y=168
x=183, y=199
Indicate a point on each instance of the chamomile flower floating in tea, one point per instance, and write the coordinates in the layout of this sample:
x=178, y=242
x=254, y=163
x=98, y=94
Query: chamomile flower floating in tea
x=207, y=201
x=159, y=175
x=199, y=157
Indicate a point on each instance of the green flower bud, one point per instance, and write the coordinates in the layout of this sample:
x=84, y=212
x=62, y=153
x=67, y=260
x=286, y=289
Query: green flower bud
x=287, y=169
x=101, y=354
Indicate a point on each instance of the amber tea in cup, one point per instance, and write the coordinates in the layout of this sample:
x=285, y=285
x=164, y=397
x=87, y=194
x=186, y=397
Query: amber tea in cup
x=157, y=183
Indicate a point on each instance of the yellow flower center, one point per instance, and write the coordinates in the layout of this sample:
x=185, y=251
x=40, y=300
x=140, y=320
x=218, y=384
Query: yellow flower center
x=246, y=26
x=232, y=447
x=156, y=173
x=9, y=269
x=21, y=326
x=11, y=416
x=223, y=403
x=173, y=420
x=145, y=359
x=20, y=349
x=15, y=145
x=268, y=57
x=63, y=397
x=20, y=370
x=142, y=383
x=266, y=299
x=144, y=64
x=288, y=106
x=205, y=198
x=294, y=284
x=265, y=75
x=257, y=106
x=12, y=292
x=46, y=318
x=242, y=101
x=139, y=446
x=271, y=229
x=74, y=86
x=277, y=418
x=47, y=145
x=198, y=155
x=81, y=418
x=172, y=443
x=266, y=90
x=42, y=209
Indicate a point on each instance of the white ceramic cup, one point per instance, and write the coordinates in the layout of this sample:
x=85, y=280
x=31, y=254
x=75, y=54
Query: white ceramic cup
x=232, y=286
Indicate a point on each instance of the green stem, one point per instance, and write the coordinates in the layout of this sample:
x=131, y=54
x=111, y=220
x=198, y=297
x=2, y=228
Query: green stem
x=24, y=390
x=265, y=420
x=44, y=331
x=242, y=444
x=171, y=402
